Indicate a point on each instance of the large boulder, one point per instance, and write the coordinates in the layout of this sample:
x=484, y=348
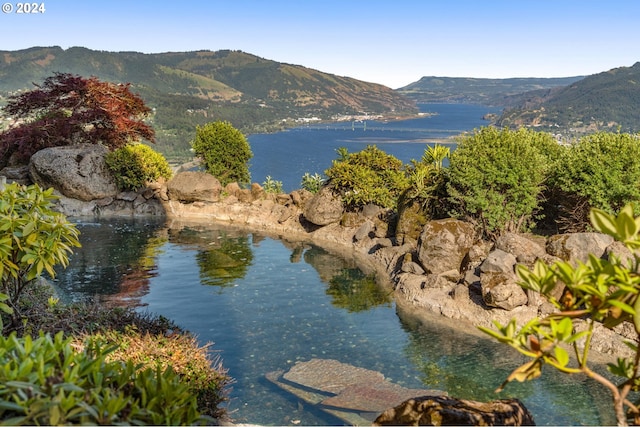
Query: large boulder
x=577, y=246
x=499, y=283
x=189, y=187
x=449, y=411
x=526, y=250
x=76, y=171
x=444, y=244
x=324, y=208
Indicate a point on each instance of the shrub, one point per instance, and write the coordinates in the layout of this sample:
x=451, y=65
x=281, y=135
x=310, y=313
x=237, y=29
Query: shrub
x=600, y=291
x=45, y=381
x=496, y=177
x=427, y=182
x=34, y=239
x=600, y=171
x=312, y=183
x=272, y=186
x=368, y=176
x=135, y=165
x=225, y=152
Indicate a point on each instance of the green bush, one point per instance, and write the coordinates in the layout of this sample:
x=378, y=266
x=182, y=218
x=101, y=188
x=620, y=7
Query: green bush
x=45, y=381
x=312, y=183
x=135, y=165
x=34, y=240
x=604, y=292
x=496, y=177
x=272, y=186
x=225, y=152
x=368, y=176
x=600, y=171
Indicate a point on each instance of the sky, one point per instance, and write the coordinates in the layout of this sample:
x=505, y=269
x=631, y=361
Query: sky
x=393, y=42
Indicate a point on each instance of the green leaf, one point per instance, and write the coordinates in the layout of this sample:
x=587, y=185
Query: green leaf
x=561, y=356
x=603, y=222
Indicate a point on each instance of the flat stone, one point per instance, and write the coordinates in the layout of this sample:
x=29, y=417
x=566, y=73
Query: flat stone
x=376, y=397
x=330, y=376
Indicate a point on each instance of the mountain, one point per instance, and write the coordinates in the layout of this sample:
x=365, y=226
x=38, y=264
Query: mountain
x=608, y=101
x=496, y=92
x=186, y=89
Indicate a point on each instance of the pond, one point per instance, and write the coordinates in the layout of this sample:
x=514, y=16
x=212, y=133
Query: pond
x=268, y=303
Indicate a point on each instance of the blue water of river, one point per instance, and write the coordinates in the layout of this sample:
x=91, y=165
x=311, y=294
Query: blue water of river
x=287, y=156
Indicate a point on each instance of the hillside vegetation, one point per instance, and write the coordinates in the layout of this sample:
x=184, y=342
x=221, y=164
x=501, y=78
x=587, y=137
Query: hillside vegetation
x=186, y=89
x=496, y=92
x=608, y=101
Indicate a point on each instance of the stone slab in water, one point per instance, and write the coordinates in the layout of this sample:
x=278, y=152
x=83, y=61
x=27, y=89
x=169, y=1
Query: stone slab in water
x=330, y=376
x=376, y=397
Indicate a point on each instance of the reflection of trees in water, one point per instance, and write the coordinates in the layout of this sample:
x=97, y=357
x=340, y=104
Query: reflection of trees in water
x=349, y=287
x=111, y=250
x=223, y=256
x=472, y=367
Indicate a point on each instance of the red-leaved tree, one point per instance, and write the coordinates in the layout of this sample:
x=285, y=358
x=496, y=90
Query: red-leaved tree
x=68, y=109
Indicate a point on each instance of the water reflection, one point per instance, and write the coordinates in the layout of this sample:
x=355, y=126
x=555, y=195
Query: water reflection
x=223, y=256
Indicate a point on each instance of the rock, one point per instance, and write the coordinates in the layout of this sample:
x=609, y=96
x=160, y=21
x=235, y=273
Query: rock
x=499, y=261
x=501, y=290
x=19, y=174
x=76, y=171
x=525, y=250
x=330, y=376
x=577, y=246
x=188, y=187
x=324, y=208
x=364, y=231
x=411, y=220
x=443, y=245
x=445, y=410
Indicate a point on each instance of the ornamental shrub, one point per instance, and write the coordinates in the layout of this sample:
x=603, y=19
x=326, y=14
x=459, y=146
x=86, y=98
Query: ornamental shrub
x=46, y=381
x=312, y=183
x=34, y=239
x=496, y=177
x=595, y=294
x=225, y=152
x=600, y=171
x=135, y=165
x=368, y=176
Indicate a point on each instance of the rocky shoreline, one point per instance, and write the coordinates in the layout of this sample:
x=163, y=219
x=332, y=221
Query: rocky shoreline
x=445, y=273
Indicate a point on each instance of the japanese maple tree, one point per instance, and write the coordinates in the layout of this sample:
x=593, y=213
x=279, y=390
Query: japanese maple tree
x=69, y=109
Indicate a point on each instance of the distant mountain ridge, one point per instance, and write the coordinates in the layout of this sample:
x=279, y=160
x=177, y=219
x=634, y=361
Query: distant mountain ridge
x=468, y=90
x=186, y=89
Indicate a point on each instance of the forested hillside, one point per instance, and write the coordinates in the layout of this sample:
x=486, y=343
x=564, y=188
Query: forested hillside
x=608, y=101
x=186, y=89
x=496, y=92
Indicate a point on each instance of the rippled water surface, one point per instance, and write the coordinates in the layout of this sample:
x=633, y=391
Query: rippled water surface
x=267, y=303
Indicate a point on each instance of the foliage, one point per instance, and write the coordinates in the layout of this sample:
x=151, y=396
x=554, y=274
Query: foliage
x=312, y=183
x=68, y=109
x=368, y=176
x=598, y=291
x=272, y=186
x=496, y=177
x=427, y=182
x=34, y=239
x=224, y=150
x=45, y=381
x=135, y=165
x=600, y=171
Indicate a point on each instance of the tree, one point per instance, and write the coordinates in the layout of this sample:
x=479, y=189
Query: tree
x=598, y=291
x=496, y=177
x=224, y=150
x=34, y=239
x=69, y=109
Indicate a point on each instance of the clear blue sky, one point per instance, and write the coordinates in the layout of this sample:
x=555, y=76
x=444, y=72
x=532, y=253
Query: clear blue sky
x=393, y=42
